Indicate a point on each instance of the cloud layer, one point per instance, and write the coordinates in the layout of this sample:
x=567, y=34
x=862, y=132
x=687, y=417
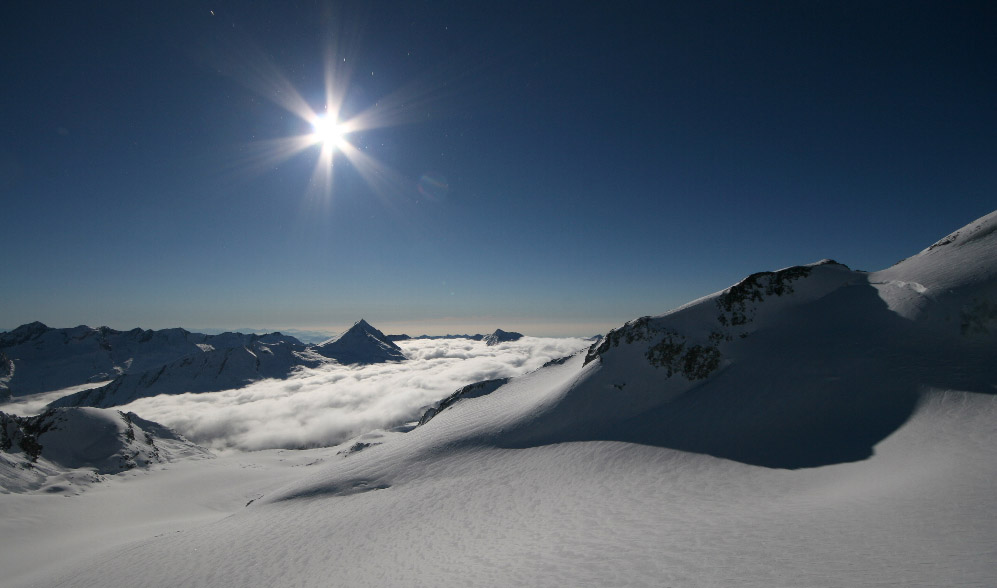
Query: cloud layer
x=332, y=403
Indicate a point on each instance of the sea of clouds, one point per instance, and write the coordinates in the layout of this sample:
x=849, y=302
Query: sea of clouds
x=330, y=404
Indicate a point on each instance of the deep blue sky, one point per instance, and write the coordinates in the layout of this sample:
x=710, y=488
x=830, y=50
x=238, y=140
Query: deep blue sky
x=601, y=162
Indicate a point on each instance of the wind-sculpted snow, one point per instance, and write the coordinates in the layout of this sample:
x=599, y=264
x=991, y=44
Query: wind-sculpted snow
x=328, y=404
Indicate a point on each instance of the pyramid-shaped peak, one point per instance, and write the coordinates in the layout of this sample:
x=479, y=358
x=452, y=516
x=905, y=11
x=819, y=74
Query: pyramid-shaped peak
x=362, y=324
x=500, y=336
x=361, y=343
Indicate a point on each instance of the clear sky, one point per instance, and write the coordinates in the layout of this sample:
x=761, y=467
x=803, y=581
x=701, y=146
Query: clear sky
x=554, y=168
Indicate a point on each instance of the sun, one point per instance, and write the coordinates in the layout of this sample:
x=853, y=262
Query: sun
x=328, y=132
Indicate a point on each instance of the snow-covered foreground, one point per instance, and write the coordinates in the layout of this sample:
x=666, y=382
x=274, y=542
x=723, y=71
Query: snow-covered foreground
x=919, y=513
x=814, y=426
x=44, y=535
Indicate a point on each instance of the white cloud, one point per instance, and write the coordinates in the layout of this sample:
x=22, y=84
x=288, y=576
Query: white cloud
x=332, y=403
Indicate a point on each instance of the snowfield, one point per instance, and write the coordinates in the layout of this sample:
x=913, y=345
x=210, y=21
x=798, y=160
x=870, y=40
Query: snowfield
x=812, y=426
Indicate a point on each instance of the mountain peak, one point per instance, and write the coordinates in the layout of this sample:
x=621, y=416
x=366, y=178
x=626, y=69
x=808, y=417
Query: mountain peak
x=361, y=343
x=500, y=336
x=23, y=333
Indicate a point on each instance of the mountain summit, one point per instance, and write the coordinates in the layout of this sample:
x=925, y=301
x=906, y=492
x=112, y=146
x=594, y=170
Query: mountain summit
x=361, y=343
x=500, y=336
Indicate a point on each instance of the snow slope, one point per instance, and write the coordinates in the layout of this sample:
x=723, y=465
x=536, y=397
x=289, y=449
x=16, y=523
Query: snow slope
x=814, y=426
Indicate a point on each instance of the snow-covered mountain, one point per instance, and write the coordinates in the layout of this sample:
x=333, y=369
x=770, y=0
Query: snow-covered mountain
x=812, y=426
x=229, y=361
x=361, y=343
x=77, y=446
x=209, y=371
x=801, y=367
x=43, y=358
x=500, y=336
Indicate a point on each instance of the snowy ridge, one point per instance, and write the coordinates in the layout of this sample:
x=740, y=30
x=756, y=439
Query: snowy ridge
x=66, y=447
x=950, y=286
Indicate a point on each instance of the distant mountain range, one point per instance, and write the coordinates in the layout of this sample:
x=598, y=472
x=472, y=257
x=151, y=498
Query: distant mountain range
x=140, y=363
x=36, y=358
x=498, y=336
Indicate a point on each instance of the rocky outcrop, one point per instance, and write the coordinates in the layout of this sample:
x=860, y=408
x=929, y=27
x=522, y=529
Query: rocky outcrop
x=697, y=355
x=470, y=391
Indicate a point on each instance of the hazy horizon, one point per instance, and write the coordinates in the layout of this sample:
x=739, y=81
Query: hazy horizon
x=411, y=328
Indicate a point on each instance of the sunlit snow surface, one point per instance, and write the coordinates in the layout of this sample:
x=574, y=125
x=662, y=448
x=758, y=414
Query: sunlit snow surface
x=574, y=475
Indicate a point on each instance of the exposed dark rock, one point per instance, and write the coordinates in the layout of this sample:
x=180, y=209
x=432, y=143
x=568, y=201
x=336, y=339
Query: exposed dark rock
x=22, y=334
x=734, y=301
x=500, y=336
x=470, y=391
